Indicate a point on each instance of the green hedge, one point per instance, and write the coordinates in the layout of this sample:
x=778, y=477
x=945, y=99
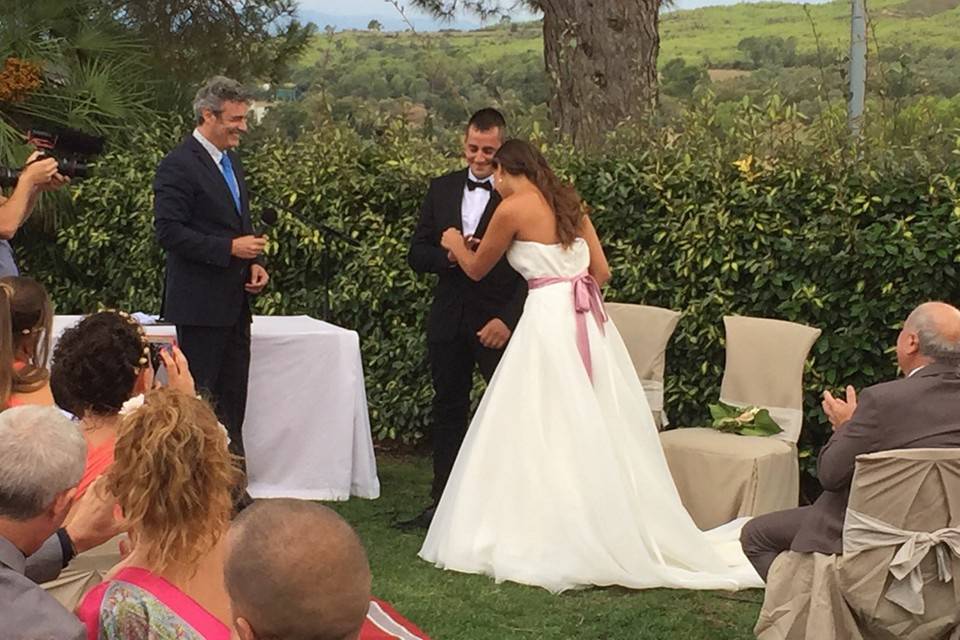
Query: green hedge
x=844, y=237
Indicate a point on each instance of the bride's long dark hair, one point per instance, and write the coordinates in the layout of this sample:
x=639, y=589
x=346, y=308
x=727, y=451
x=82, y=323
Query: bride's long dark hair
x=519, y=157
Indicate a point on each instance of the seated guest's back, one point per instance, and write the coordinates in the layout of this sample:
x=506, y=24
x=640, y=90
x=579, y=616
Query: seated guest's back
x=26, y=316
x=98, y=364
x=296, y=570
x=41, y=458
x=172, y=475
x=919, y=410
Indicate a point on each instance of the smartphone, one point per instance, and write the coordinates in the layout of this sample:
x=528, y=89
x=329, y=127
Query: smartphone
x=158, y=344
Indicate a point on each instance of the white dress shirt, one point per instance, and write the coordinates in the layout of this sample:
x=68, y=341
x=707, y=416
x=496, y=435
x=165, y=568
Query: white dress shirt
x=913, y=371
x=474, y=204
x=211, y=148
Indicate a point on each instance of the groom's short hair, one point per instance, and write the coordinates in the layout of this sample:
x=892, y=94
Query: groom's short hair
x=487, y=119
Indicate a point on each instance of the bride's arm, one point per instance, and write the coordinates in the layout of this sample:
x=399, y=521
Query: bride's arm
x=598, y=268
x=495, y=243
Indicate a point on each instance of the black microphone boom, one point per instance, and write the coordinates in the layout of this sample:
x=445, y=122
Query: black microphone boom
x=319, y=226
x=269, y=217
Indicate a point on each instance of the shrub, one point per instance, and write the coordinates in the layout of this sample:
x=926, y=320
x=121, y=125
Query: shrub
x=760, y=213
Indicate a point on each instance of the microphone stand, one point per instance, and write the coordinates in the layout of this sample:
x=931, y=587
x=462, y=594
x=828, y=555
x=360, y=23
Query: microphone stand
x=326, y=231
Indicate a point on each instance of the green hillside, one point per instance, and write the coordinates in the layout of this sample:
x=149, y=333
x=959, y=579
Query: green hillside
x=710, y=35
x=437, y=79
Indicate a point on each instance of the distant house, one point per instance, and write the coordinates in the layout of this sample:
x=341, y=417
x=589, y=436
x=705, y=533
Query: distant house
x=259, y=109
x=287, y=93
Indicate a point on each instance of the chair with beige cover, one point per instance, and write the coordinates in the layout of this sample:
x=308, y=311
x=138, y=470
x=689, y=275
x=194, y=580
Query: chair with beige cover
x=898, y=574
x=646, y=331
x=84, y=572
x=722, y=476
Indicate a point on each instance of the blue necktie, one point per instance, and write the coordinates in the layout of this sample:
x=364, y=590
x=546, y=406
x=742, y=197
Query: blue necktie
x=231, y=179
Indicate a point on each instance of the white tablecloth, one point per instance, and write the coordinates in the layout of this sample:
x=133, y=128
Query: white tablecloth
x=307, y=431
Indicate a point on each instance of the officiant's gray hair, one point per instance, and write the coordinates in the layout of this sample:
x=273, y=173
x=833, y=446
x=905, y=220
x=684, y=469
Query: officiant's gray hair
x=215, y=92
x=937, y=325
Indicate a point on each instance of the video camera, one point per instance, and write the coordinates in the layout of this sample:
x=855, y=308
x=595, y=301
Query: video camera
x=68, y=146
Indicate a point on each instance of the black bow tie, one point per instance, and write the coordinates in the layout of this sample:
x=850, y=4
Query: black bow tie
x=473, y=184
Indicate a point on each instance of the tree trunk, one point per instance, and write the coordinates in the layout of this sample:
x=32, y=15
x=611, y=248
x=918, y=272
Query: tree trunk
x=601, y=57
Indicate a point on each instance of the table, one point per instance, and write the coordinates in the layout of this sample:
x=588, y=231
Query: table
x=307, y=430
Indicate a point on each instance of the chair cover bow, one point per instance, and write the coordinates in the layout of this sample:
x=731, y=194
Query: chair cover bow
x=862, y=532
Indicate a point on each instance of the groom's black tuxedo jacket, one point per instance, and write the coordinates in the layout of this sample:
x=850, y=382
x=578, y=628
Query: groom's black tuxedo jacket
x=458, y=299
x=196, y=220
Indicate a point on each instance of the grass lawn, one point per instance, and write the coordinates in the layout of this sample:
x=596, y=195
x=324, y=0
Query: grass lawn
x=450, y=605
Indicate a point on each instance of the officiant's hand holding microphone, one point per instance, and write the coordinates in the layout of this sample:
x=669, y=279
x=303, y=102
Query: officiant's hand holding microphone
x=252, y=246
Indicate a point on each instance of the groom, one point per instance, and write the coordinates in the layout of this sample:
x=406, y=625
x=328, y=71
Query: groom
x=469, y=322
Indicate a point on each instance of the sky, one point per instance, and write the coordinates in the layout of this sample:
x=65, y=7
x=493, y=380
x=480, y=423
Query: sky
x=372, y=8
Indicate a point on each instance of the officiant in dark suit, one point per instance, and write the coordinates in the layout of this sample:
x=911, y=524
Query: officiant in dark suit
x=213, y=264
x=469, y=322
x=920, y=410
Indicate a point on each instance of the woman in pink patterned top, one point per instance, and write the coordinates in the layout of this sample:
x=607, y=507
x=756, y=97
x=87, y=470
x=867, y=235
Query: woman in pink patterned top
x=173, y=476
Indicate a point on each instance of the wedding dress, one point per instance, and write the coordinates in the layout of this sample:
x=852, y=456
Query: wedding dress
x=561, y=481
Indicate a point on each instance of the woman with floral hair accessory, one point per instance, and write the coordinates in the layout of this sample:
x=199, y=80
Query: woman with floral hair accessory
x=26, y=316
x=99, y=365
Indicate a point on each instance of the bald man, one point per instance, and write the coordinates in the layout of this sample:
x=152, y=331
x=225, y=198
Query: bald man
x=296, y=570
x=922, y=409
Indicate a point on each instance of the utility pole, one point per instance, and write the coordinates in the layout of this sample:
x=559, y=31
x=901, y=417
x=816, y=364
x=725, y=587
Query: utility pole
x=858, y=65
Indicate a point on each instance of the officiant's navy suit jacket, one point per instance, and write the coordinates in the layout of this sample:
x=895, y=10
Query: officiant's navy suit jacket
x=196, y=219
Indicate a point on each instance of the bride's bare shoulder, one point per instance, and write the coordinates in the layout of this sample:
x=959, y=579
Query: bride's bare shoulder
x=521, y=203
x=511, y=205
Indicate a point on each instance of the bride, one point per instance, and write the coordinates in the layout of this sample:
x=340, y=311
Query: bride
x=561, y=481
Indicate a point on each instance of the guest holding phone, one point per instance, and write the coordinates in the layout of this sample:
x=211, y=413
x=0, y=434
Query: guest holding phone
x=99, y=365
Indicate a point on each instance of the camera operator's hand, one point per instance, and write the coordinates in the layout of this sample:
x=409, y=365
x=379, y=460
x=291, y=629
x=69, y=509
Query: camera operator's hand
x=40, y=174
x=57, y=181
x=248, y=247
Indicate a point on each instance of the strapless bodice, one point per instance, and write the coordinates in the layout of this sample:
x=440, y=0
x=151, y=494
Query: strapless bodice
x=537, y=260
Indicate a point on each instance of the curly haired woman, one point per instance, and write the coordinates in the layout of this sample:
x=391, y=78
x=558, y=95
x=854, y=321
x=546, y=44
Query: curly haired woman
x=172, y=476
x=98, y=365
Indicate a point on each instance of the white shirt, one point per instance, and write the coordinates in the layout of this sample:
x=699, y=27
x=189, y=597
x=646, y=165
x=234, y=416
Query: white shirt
x=910, y=375
x=215, y=153
x=211, y=148
x=474, y=204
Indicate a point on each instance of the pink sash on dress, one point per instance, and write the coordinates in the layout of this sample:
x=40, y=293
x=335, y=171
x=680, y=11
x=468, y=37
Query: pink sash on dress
x=586, y=298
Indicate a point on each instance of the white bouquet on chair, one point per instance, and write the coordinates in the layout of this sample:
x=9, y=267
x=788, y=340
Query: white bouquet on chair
x=744, y=421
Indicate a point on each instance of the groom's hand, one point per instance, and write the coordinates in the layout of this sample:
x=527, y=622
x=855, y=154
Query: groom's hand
x=494, y=334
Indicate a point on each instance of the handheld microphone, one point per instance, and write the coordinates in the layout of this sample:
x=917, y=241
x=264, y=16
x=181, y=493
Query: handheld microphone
x=268, y=218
